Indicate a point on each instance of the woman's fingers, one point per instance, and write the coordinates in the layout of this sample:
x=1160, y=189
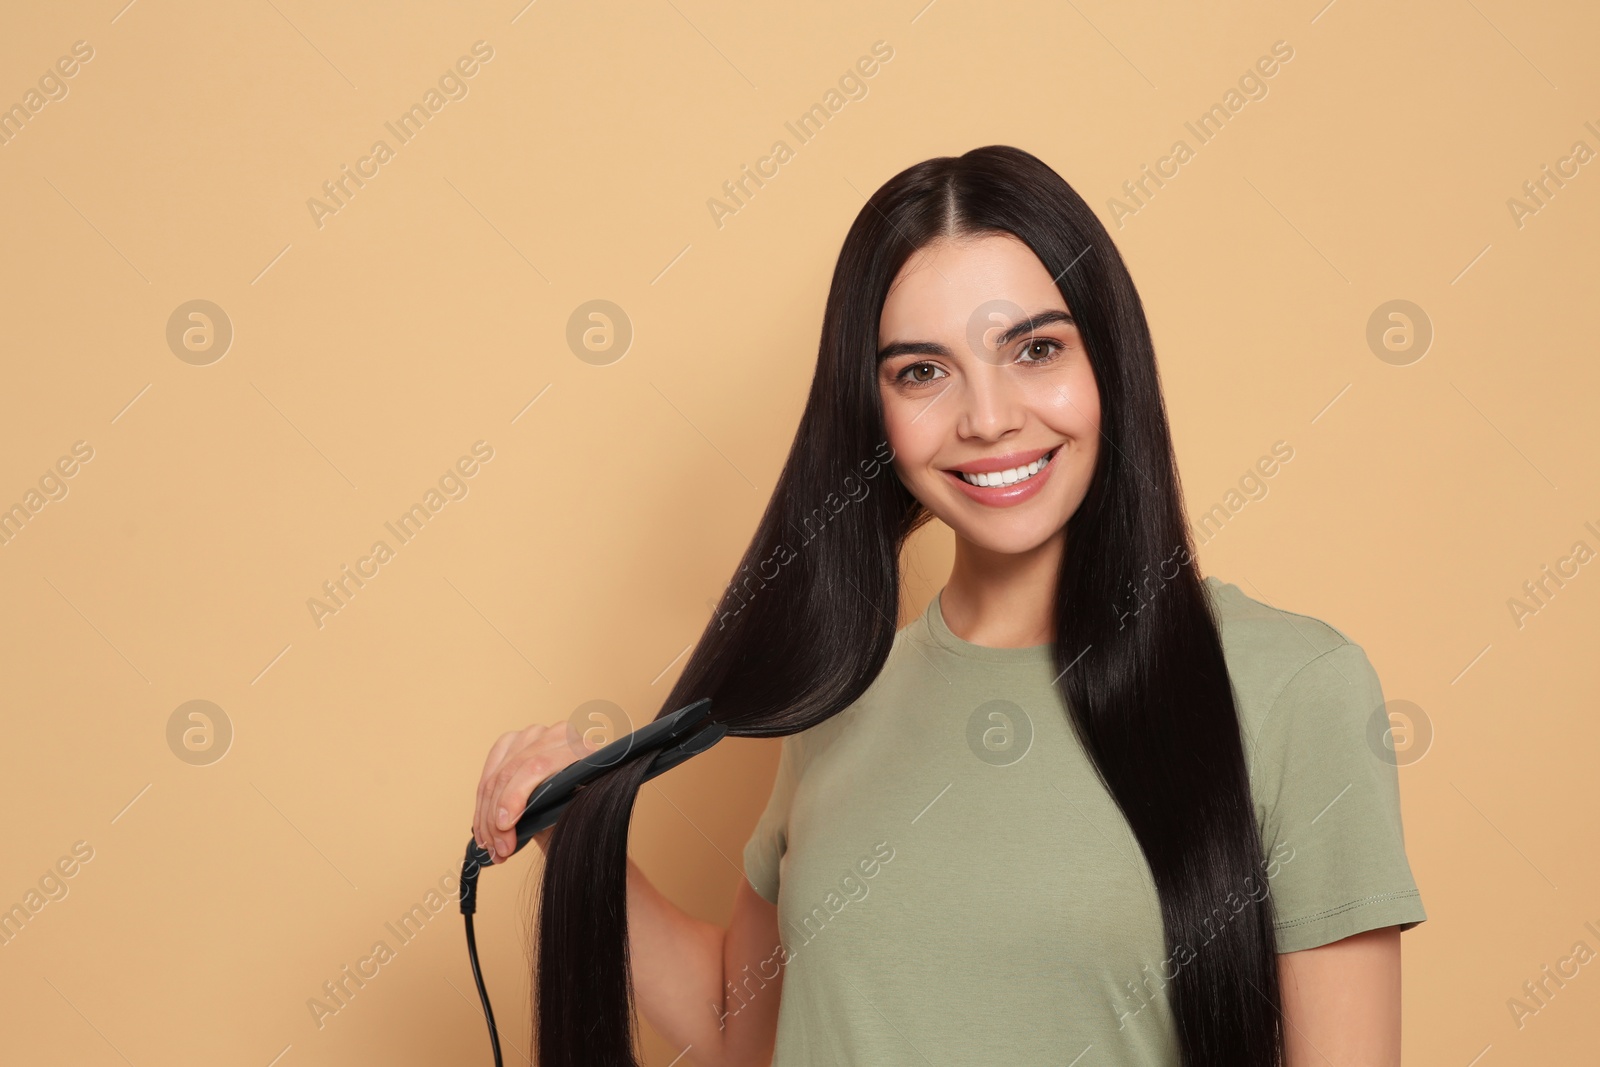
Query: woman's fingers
x=497, y=754
x=515, y=783
x=483, y=817
x=516, y=764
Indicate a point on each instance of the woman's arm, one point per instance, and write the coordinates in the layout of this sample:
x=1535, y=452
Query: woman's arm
x=683, y=968
x=1341, y=1002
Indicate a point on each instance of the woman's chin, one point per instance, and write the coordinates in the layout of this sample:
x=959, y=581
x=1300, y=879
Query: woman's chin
x=1005, y=538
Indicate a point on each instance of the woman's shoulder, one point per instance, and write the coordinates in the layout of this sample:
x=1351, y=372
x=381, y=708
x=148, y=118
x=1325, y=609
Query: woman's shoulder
x=1273, y=653
x=1267, y=626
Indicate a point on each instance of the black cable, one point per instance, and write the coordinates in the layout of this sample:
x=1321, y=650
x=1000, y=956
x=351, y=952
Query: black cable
x=483, y=994
x=469, y=904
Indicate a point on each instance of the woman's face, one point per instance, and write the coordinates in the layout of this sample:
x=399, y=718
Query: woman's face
x=973, y=393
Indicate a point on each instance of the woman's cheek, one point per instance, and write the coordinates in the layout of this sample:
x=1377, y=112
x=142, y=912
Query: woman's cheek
x=903, y=471
x=910, y=437
x=1076, y=404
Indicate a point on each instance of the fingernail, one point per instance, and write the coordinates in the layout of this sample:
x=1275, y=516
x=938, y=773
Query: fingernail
x=505, y=818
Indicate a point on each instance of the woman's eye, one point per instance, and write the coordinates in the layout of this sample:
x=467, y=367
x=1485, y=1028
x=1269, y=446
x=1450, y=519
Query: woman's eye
x=1050, y=348
x=921, y=373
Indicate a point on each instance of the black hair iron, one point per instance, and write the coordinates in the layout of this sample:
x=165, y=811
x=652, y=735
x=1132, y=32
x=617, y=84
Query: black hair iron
x=679, y=736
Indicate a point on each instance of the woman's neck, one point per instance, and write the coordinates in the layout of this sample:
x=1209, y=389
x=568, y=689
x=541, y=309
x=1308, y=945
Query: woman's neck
x=1003, y=599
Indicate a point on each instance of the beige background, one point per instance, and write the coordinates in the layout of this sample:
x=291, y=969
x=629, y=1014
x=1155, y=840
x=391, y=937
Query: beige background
x=430, y=311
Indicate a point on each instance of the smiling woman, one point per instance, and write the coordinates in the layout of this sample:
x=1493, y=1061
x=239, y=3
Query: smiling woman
x=1075, y=791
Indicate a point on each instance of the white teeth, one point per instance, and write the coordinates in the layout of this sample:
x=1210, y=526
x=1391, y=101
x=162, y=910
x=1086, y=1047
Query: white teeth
x=1010, y=477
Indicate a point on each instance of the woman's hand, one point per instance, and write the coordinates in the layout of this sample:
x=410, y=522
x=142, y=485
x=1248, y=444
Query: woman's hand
x=517, y=763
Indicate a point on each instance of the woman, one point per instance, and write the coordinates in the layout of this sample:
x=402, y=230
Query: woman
x=1090, y=808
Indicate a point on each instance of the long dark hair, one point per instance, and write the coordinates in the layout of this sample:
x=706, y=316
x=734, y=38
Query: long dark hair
x=803, y=629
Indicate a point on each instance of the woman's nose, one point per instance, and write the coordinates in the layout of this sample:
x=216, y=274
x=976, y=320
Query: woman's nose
x=992, y=404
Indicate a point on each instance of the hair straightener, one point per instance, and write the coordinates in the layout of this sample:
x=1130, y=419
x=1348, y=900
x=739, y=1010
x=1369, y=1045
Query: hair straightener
x=680, y=735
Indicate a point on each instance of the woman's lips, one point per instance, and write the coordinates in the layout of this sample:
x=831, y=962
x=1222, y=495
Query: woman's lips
x=990, y=464
x=1004, y=496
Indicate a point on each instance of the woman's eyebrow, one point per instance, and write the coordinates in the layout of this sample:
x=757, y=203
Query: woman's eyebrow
x=1027, y=325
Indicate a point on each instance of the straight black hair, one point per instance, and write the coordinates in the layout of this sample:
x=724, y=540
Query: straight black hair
x=1147, y=692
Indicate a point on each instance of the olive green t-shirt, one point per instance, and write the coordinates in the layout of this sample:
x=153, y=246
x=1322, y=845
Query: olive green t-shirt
x=955, y=886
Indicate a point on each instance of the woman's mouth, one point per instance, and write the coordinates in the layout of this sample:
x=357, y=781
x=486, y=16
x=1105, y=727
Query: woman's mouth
x=1012, y=475
x=1008, y=486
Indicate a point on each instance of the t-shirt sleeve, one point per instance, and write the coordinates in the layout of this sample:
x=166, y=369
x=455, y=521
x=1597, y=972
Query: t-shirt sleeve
x=1328, y=802
x=764, y=851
